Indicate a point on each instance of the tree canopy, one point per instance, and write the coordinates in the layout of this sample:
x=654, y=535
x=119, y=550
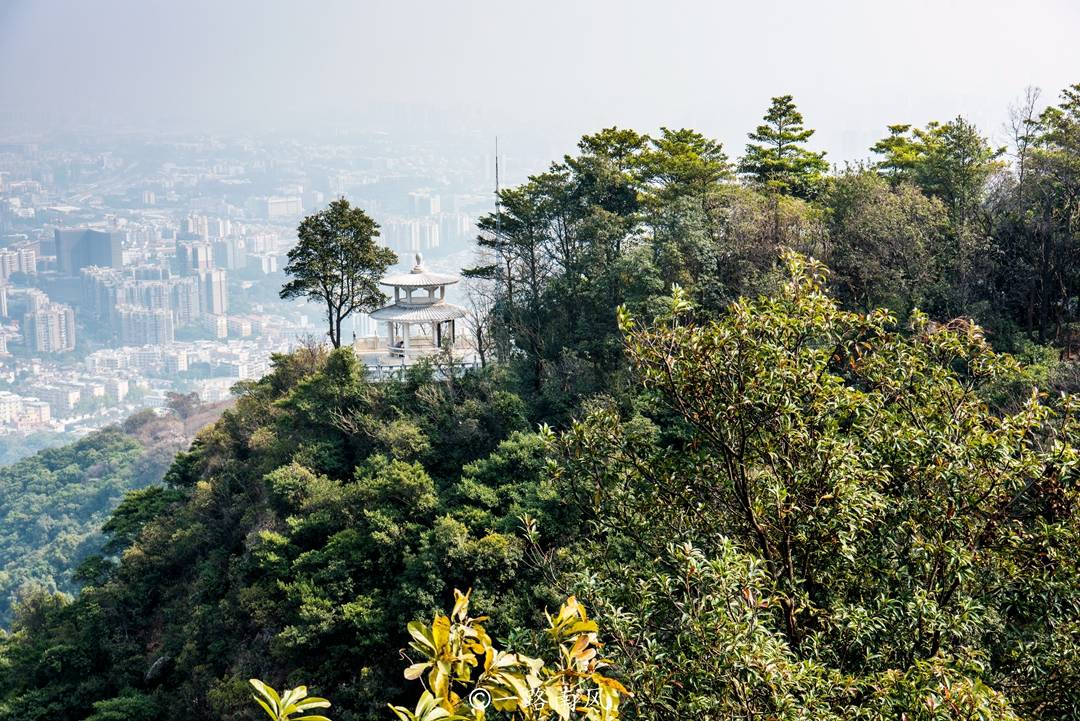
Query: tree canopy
x=827, y=521
x=338, y=263
x=777, y=159
x=54, y=503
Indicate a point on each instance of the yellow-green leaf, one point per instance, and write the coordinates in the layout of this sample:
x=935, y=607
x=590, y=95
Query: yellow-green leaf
x=557, y=700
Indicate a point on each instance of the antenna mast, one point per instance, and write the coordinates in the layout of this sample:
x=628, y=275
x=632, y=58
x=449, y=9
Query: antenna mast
x=498, y=208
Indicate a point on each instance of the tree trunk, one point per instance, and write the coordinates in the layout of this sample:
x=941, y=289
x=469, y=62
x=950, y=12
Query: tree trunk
x=336, y=339
x=330, y=322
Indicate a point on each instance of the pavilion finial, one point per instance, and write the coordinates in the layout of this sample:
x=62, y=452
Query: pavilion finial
x=419, y=267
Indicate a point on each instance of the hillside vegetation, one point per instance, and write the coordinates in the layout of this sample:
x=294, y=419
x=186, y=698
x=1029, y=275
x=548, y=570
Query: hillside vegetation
x=785, y=488
x=310, y=524
x=53, y=504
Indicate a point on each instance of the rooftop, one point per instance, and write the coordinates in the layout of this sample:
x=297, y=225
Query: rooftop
x=419, y=277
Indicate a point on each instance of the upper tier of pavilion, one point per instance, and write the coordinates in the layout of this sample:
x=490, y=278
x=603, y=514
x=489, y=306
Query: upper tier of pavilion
x=419, y=321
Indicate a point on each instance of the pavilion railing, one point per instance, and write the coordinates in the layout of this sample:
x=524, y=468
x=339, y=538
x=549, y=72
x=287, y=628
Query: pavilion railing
x=396, y=371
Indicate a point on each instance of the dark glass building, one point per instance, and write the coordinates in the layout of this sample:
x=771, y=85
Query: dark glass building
x=78, y=248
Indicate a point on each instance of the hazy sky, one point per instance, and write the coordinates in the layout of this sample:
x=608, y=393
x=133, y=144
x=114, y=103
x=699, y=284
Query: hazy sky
x=549, y=69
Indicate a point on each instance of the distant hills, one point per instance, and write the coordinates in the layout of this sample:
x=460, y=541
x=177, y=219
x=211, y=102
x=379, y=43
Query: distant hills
x=53, y=503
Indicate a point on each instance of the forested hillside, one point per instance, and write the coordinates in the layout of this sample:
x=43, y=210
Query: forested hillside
x=760, y=416
x=312, y=523
x=54, y=503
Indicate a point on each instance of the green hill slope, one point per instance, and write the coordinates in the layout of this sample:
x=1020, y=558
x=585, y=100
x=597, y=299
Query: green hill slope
x=53, y=504
x=804, y=513
x=300, y=532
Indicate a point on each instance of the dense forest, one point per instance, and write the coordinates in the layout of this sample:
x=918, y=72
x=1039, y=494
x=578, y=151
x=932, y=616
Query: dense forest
x=801, y=438
x=53, y=504
x=939, y=220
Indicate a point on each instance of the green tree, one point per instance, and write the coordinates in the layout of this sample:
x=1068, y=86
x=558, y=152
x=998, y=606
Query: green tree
x=131, y=706
x=337, y=262
x=951, y=161
x=824, y=519
x=1049, y=212
x=560, y=246
x=883, y=242
x=777, y=508
x=53, y=504
x=612, y=224
x=531, y=222
x=684, y=163
x=303, y=531
x=954, y=163
x=778, y=159
x=901, y=153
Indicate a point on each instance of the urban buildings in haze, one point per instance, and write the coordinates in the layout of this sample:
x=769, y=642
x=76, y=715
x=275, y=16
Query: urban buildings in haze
x=133, y=267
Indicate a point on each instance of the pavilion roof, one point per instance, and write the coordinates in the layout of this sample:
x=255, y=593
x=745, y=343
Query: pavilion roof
x=434, y=313
x=419, y=277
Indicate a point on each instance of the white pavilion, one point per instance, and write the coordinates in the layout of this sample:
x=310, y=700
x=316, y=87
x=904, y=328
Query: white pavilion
x=419, y=322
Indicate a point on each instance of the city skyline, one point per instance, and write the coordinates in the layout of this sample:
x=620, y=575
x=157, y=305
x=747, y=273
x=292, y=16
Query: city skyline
x=130, y=271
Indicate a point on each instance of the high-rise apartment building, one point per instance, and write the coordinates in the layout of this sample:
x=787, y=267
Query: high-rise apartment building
x=195, y=225
x=116, y=389
x=35, y=413
x=145, y=326
x=50, y=329
x=282, y=207
x=175, y=362
x=61, y=397
x=106, y=291
x=218, y=227
x=185, y=301
x=17, y=260
x=153, y=294
x=229, y=254
x=27, y=261
x=35, y=299
x=260, y=242
x=100, y=291
x=194, y=256
x=213, y=285
x=411, y=235
x=424, y=203
x=267, y=262
x=10, y=407
x=9, y=263
x=456, y=227
x=150, y=272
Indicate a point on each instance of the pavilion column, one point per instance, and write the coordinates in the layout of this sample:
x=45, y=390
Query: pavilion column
x=405, y=331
